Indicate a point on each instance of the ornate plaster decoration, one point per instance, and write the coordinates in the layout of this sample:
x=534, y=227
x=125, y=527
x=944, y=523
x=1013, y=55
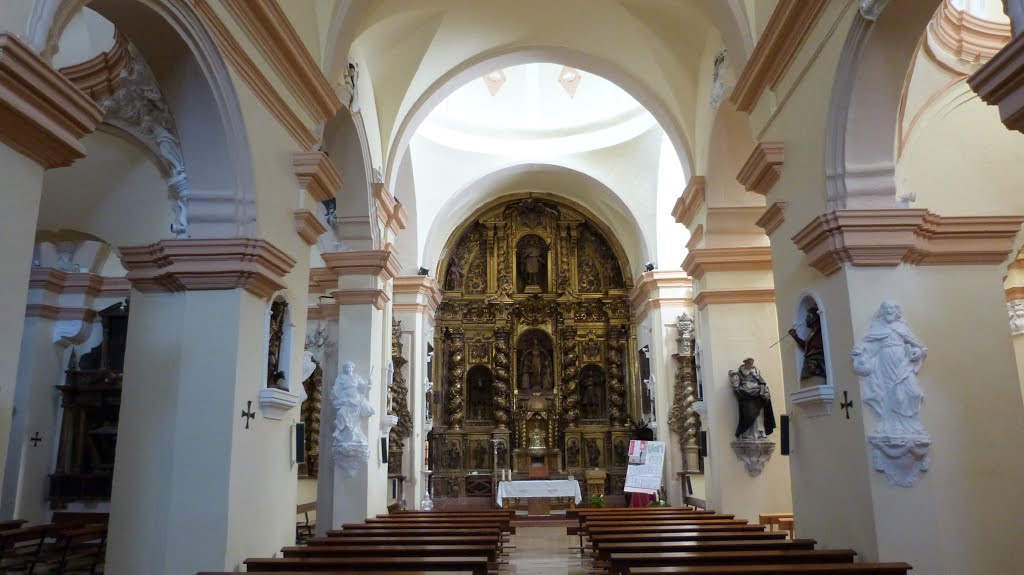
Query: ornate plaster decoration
x=965, y=38
x=718, y=80
x=683, y=418
x=887, y=359
x=1015, y=309
x=753, y=453
x=352, y=410
x=872, y=9
x=138, y=107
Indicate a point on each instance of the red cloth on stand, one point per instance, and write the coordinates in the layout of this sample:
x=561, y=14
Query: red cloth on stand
x=640, y=499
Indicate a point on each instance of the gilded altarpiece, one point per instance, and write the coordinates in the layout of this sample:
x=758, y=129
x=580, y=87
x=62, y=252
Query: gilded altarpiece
x=533, y=332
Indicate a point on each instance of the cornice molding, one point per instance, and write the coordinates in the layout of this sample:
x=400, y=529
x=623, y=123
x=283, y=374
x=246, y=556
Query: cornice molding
x=967, y=37
x=254, y=77
x=268, y=27
x=376, y=297
x=59, y=313
x=787, y=30
x=322, y=280
x=317, y=175
x=648, y=282
x=256, y=266
x=772, y=217
x=382, y=264
x=763, y=168
x=42, y=114
x=894, y=236
x=685, y=208
x=323, y=311
x=720, y=297
x=390, y=211
x=97, y=76
x=308, y=226
x=60, y=282
x=1000, y=82
x=425, y=286
x=741, y=259
x=695, y=237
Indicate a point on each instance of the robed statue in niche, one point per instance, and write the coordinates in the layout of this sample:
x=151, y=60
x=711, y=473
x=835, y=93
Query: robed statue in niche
x=480, y=386
x=592, y=393
x=532, y=264
x=534, y=366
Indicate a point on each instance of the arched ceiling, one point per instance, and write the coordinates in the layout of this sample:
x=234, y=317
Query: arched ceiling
x=416, y=53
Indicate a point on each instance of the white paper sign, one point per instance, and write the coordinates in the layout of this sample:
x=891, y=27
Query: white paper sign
x=646, y=464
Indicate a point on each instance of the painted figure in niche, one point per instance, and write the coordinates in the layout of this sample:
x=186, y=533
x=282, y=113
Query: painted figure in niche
x=350, y=447
x=276, y=377
x=813, y=370
x=593, y=453
x=888, y=359
x=572, y=454
x=754, y=400
x=502, y=451
x=480, y=455
x=592, y=394
x=534, y=368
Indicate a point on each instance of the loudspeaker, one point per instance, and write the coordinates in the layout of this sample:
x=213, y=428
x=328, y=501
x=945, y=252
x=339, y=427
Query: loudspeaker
x=383, y=449
x=784, y=433
x=703, y=444
x=300, y=443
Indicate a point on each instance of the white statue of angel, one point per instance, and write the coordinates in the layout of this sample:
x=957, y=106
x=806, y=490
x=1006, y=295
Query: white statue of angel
x=350, y=447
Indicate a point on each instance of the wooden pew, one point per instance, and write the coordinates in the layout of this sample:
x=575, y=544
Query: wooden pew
x=581, y=511
x=605, y=549
x=417, y=550
x=675, y=528
x=597, y=541
x=623, y=563
x=788, y=569
x=355, y=530
x=304, y=529
x=402, y=540
x=80, y=547
x=625, y=522
x=21, y=547
x=474, y=565
x=503, y=522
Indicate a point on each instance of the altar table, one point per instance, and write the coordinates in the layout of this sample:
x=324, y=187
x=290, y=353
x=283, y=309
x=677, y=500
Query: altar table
x=549, y=488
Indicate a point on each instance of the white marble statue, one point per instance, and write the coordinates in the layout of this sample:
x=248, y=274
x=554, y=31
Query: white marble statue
x=349, y=444
x=887, y=360
x=1015, y=309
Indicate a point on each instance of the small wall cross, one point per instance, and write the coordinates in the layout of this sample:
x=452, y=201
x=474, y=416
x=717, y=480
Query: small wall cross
x=35, y=439
x=247, y=414
x=846, y=405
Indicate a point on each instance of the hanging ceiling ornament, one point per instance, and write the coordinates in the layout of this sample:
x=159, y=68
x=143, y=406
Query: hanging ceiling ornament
x=494, y=81
x=569, y=78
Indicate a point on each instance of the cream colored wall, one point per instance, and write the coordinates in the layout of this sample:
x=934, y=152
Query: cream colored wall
x=86, y=35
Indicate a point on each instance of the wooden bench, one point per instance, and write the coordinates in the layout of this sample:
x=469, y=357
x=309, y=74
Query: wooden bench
x=504, y=522
x=21, y=547
x=475, y=565
x=402, y=540
x=697, y=546
x=411, y=531
x=81, y=548
x=418, y=550
x=788, y=569
x=304, y=529
x=597, y=541
x=582, y=511
x=623, y=563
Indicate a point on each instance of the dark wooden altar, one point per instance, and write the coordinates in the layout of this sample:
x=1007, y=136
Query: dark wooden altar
x=533, y=372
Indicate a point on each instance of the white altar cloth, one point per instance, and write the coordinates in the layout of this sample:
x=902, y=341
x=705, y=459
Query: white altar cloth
x=539, y=488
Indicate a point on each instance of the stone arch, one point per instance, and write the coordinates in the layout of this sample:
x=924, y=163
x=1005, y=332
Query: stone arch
x=860, y=141
x=346, y=145
x=507, y=56
x=200, y=92
x=603, y=207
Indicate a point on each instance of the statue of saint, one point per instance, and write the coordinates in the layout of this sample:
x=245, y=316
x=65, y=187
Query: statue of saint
x=480, y=396
x=591, y=399
x=480, y=455
x=572, y=454
x=532, y=255
x=537, y=438
x=813, y=370
x=502, y=455
x=888, y=359
x=754, y=400
x=533, y=368
x=350, y=447
x=454, y=276
x=593, y=454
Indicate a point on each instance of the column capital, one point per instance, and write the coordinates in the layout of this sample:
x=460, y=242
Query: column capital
x=763, y=168
x=317, y=175
x=308, y=226
x=256, y=266
x=381, y=264
x=416, y=293
x=42, y=114
x=61, y=282
x=733, y=296
x=692, y=198
x=739, y=259
x=893, y=236
x=390, y=211
x=376, y=297
x=772, y=217
x=659, y=288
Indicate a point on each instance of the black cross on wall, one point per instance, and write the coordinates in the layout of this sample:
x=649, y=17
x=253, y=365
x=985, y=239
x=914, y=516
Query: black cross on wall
x=35, y=439
x=247, y=414
x=846, y=405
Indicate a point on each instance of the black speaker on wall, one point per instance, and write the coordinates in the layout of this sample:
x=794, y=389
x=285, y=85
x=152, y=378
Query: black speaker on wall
x=383, y=449
x=300, y=442
x=784, y=433
x=703, y=444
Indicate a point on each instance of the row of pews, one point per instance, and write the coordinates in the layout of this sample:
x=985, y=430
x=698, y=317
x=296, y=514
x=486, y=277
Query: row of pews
x=678, y=541
x=70, y=542
x=470, y=542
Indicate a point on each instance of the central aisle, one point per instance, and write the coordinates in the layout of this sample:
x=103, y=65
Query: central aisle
x=544, y=551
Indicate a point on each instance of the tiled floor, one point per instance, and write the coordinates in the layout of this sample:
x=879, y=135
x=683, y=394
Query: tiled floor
x=545, y=551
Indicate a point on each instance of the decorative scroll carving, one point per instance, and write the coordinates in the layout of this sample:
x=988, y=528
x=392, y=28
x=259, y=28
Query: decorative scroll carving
x=456, y=371
x=570, y=369
x=616, y=387
x=138, y=107
x=502, y=377
x=683, y=418
x=399, y=392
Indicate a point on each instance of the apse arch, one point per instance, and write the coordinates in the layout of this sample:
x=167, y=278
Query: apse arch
x=507, y=56
x=583, y=193
x=195, y=79
x=863, y=116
